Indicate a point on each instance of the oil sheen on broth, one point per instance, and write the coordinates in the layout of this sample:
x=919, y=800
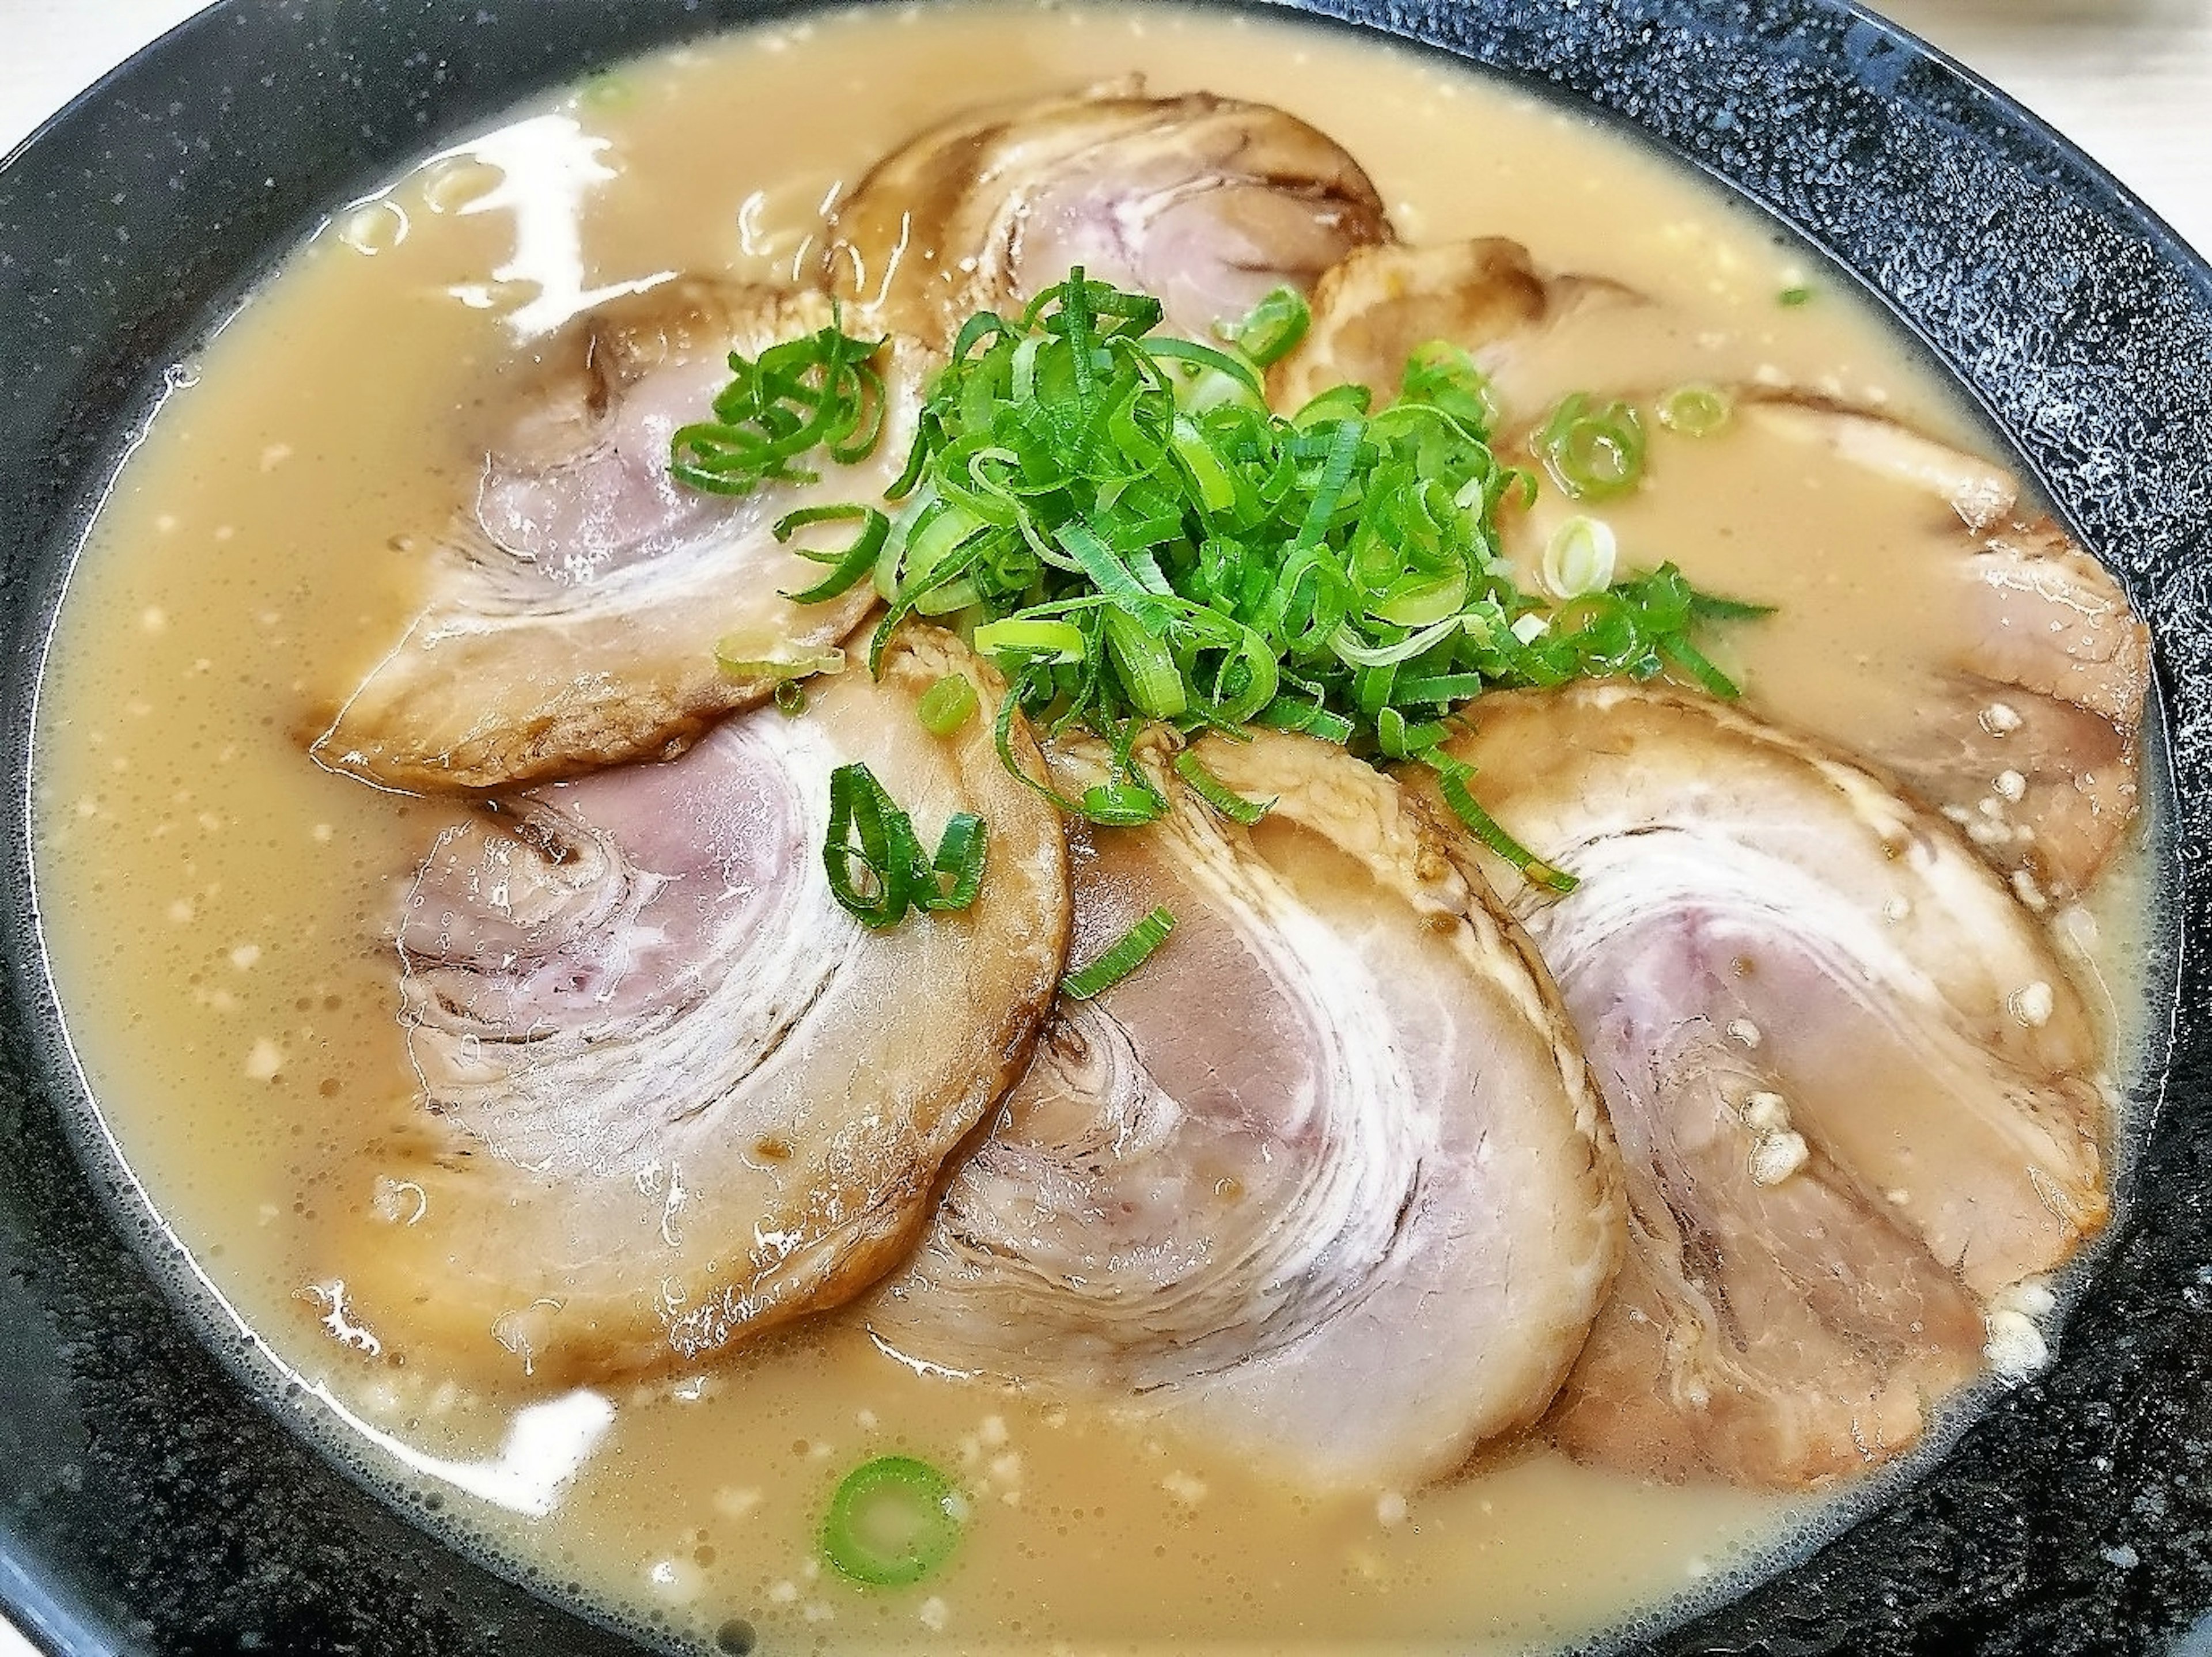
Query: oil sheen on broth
x=219, y=909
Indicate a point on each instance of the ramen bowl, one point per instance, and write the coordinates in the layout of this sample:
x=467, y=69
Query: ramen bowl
x=164, y=1487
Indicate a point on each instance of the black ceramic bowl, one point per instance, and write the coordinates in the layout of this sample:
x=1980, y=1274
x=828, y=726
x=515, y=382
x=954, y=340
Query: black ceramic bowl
x=150, y=1501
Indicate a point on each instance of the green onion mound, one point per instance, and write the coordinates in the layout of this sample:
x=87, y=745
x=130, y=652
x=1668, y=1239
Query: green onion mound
x=1122, y=523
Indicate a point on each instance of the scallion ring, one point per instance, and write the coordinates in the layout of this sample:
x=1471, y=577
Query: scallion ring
x=892, y=1521
x=1592, y=454
x=740, y=657
x=947, y=705
x=1695, y=410
x=877, y=868
x=1579, y=557
x=1451, y=782
x=1274, y=327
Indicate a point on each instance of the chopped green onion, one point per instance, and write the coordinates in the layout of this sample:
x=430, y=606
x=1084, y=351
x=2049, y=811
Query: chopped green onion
x=1711, y=607
x=607, y=88
x=1127, y=953
x=1147, y=669
x=1291, y=714
x=960, y=859
x=1218, y=793
x=1451, y=782
x=1048, y=641
x=819, y=392
x=850, y=565
x=1122, y=524
x=1579, y=558
x=1122, y=804
x=1687, y=659
x=1592, y=455
x=1794, y=295
x=742, y=657
x=947, y=705
x=1695, y=410
x=1273, y=328
x=790, y=697
x=878, y=869
x=892, y=1521
x=1442, y=376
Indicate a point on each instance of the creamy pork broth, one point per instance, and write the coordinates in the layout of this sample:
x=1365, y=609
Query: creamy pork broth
x=219, y=910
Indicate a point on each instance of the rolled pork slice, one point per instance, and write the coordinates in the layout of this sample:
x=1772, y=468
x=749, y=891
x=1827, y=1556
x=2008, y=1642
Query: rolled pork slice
x=1484, y=295
x=2024, y=728
x=1206, y=203
x=574, y=611
x=1321, y=1181
x=1858, y=1104
x=673, y=1094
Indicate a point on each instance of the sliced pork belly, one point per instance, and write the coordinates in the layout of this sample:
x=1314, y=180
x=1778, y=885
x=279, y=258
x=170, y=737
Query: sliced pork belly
x=1855, y=1097
x=1525, y=328
x=1319, y=1181
x=573, y=613
x=1207, y=203
x=683, y=1095
x=2023, y=729
x=1537, y=334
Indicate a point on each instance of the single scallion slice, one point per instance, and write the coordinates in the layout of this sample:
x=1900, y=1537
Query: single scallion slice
x=790, y=697
x=1451, y=782
x=1442, y=376
x=878, y=871
x=1580, y=557
x=892, y=1521
x=959, y=859
x=1046, y=640
x=1691, y=663
x=1127, y=953
x=1695, y=410
x=1274, y=327
x=947, y=705
x=848, y=566
x=1296, y=713
x=740, y=657
x=604, y=89
x=1592, y=454
x=1219, y=794
x=1794, y=296
x=1146, y=667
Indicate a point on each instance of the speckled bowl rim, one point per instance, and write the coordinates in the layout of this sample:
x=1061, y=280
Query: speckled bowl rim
x=1977, y=227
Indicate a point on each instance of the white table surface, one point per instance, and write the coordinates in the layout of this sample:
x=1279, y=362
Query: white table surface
x=2128, y=80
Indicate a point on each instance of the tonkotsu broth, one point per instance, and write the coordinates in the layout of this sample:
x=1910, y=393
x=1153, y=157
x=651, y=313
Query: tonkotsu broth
x=218, y=910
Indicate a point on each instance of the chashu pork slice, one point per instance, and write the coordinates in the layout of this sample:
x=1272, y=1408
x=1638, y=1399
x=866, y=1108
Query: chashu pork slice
x=1857, y=1103
x=676, y=1095
x=1321, y=1181
x=2022, y=724
x=574, y=611
x=1206, y=203
x=1532, y=333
